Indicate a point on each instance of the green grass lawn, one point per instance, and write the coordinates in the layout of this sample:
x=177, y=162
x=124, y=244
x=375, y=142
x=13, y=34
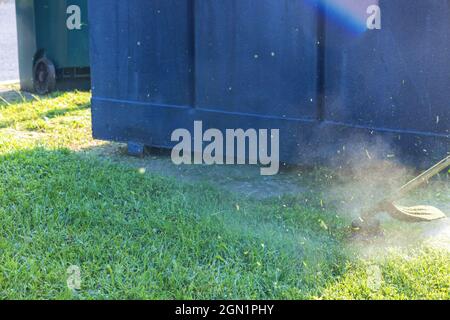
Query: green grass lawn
x=136, y=235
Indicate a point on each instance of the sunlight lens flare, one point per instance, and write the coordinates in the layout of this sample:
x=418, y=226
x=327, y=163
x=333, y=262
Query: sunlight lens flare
x=350, y=14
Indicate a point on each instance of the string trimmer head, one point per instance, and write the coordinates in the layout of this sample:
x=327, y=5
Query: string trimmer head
x=368, y=224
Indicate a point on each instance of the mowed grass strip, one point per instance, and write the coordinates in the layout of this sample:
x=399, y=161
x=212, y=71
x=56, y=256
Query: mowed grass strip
x=143, y=236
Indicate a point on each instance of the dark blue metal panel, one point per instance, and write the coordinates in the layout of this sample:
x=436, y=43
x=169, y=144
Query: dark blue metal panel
x=298, y=66
x=257, y=56
x=396, y=78
x=160, y=65
x=143, y=50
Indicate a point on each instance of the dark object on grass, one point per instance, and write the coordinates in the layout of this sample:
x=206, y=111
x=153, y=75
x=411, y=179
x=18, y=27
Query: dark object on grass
x=44, y=76
x=136, y=149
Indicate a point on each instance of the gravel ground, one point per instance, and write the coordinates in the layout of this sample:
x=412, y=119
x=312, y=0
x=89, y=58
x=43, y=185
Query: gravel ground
x=8, y=42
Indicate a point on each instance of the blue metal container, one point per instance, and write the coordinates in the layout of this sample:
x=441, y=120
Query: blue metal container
x=297, y=66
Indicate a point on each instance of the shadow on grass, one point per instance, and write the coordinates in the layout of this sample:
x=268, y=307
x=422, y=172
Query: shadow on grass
x=12, y=97
x=245, y=180
x=62, y=112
